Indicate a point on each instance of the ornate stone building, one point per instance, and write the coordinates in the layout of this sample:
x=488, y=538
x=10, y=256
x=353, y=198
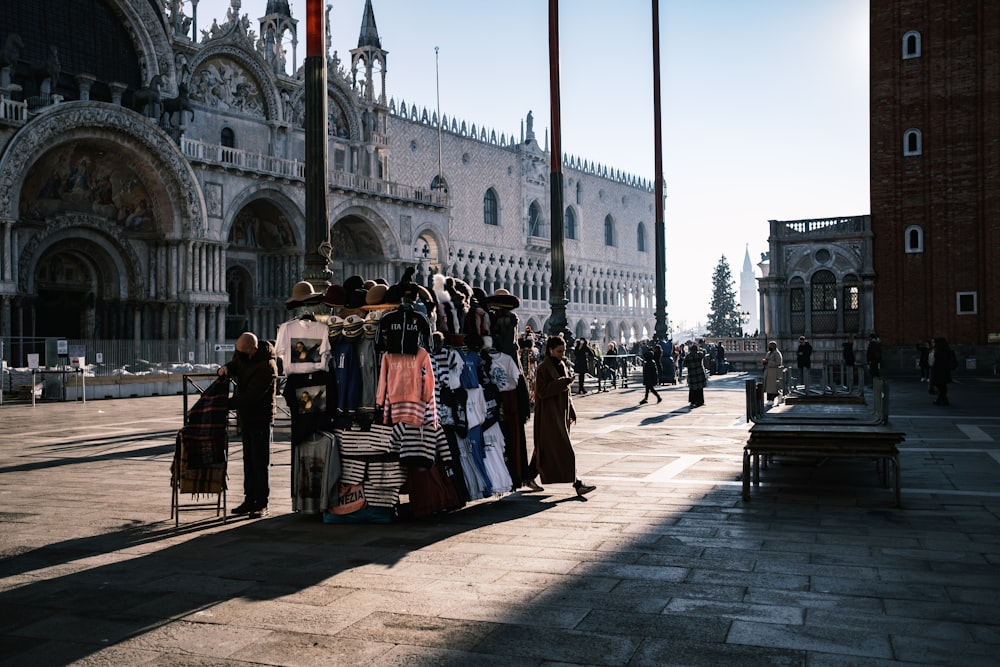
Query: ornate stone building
x=152, y=183
x=818, y=282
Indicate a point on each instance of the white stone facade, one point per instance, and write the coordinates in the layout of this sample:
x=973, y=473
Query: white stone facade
x=184, y=218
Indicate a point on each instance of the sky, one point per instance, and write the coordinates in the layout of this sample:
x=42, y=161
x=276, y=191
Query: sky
x=764, y=103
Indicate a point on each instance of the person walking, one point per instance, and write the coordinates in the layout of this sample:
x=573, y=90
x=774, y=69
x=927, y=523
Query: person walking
x=850, y=373
x=255, y=371
x=553, y=459
x=803, y=358
x=924, y=348
x=942, y=360
x=694, y=361
x=581, y=362
x=650, y=376
x=772, y=363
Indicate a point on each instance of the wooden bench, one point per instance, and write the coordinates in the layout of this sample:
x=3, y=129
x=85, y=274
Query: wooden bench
x=825, y=430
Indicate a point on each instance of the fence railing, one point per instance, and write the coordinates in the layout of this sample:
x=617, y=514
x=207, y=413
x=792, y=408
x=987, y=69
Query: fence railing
x=116, y=357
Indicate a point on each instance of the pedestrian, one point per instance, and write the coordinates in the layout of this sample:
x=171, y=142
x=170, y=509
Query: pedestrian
x=553, y=458
x=772, y=363
x=650, y=376
x=720, y=359
x=657, y=351
x=694, y=361
x=611, y=362
x=255, y=372
x=803, y=358
x=943, y=362
x=581, y=362
x=849, y=361
x=924, y=348
x=682, y=351
x=874, y=355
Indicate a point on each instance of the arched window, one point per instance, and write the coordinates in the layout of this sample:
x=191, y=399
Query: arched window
x=491, y=208
x=912, y=142
x=914, y=239
x=640, y=237
x=609, y=230
x=534, y=219
x=569, y=224
x=227, y=137
x=911, y=45
x=852, y=304
x=823, y=288
x=797, y=303
x=439, y=183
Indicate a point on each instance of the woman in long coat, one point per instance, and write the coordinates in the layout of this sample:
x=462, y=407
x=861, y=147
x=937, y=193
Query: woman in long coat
x=772, y=362
x=694, y=361
x=553, y=457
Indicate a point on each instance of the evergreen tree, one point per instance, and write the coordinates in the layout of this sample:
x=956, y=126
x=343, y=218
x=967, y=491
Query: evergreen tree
x=724, y=317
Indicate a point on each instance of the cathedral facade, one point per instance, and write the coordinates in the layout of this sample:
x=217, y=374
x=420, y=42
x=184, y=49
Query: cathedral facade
x=152, y=183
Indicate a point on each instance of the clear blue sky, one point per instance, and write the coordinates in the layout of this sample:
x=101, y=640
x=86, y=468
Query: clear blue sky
x=765, y=102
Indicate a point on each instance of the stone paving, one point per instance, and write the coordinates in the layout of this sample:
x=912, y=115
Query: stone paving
x=663, y=565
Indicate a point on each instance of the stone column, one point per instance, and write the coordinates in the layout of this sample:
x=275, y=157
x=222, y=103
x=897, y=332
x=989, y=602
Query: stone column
x=84, y=82
x=117, y=90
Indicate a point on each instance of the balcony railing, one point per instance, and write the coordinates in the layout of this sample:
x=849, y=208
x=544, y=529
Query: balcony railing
x=235, y=158
x=12, y=111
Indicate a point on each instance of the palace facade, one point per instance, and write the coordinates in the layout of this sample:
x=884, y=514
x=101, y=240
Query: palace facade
x=152, y=183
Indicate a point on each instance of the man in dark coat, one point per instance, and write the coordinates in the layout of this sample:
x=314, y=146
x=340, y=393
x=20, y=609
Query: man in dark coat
x=803, y=357
x=942, y=364
x=255, y=371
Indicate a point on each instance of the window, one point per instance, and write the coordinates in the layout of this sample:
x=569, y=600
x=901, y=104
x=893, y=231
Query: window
x=912, y=142
x=439, y=183
x=824, y=291
x=227, y=138
x=491, y=213
x=640, y=237
x=966, y=303
x=569, y=224
x=914, y=239
x=535, y=220
x=852, y=304
x=579, y=193
x=911, y=45
x=609, y=230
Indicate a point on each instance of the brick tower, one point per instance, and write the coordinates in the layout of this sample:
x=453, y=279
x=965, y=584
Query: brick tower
x=935, y=170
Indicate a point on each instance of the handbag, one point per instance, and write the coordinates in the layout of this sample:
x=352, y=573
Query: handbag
x=350, y=498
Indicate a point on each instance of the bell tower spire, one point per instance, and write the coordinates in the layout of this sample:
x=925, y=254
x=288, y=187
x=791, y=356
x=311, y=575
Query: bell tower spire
x=368, y=61
x=368, y=71
x=274, y=26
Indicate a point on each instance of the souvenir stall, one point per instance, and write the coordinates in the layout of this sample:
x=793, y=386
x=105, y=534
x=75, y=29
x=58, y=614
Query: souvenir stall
x=411, y=392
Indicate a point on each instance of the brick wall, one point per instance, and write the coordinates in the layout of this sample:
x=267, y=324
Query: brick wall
x=951, y=93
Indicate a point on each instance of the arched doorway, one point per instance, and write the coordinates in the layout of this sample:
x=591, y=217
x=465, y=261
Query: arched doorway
x=77, y=287
x=358, y=251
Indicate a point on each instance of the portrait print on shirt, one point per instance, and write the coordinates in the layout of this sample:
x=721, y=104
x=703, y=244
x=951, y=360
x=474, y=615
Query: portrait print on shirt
x=306, y=350
x=311, y=399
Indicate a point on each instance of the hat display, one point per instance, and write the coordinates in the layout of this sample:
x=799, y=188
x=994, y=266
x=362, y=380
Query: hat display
x=336, y=326
x=353, y=326
x=356, y=298
x=501, y=298
x=303, y=293
x=335, y=296
x=370, y=327
x=376, y=295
